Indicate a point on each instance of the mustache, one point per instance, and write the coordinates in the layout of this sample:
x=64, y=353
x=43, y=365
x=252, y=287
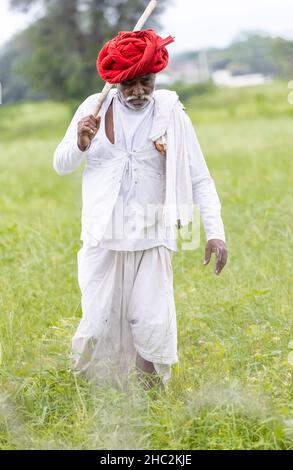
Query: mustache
x=138, y=98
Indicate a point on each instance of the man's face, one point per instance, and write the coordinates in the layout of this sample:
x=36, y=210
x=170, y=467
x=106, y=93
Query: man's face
x=138, y=91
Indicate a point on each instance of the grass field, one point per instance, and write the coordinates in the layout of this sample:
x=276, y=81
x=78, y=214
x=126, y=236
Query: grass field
x=232, y=387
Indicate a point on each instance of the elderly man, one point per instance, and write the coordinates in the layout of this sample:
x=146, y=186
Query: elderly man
x=140, y=153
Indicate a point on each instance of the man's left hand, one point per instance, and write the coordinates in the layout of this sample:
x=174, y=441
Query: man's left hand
x=220, y=249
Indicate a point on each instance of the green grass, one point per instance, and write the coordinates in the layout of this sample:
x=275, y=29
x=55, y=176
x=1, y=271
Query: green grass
x=232, y=387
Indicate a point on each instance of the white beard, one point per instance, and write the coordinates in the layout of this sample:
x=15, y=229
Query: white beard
x=127, y=101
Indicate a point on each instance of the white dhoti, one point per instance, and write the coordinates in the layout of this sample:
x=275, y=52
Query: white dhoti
x=127, y=307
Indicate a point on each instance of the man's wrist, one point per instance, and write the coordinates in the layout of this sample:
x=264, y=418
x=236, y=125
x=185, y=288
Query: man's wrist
x=83, y=149
x=216, y=237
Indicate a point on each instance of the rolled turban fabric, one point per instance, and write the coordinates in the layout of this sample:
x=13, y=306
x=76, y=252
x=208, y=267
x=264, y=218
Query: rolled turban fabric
x=132, y=54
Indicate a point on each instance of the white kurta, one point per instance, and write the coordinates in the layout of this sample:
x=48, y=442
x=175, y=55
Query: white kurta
x=131, y=130
x=104, y=167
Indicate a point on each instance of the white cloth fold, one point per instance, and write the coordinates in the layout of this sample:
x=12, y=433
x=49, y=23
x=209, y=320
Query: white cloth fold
x=178, y=206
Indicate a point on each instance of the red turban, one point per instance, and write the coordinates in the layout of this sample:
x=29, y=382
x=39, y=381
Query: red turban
x=132, y=54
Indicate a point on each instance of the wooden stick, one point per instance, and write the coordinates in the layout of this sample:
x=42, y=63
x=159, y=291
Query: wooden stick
x=145, y=16
x=139, y=25
x=102, y=98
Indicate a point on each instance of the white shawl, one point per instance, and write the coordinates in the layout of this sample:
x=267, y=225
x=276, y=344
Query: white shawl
x=169, y=126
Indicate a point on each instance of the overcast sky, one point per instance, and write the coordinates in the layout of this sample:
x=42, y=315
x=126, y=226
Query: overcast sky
x=197, y=23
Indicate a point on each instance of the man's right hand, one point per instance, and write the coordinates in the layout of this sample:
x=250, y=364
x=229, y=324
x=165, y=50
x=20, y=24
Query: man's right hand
x=86, y=130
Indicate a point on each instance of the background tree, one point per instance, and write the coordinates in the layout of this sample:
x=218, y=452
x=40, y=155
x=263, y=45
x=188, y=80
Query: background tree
x=64, y=42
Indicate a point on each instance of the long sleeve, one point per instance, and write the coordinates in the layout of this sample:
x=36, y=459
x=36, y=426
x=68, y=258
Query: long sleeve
x=203, y=187
x=68, y=156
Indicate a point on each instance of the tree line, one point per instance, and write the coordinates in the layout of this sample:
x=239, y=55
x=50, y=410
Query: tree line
x=55, y=56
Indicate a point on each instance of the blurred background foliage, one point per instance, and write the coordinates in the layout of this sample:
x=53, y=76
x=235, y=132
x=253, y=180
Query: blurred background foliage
x=54, y=58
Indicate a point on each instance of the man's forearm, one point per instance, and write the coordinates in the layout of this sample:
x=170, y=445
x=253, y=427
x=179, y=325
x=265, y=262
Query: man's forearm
x=206, y=197
x=67, y=157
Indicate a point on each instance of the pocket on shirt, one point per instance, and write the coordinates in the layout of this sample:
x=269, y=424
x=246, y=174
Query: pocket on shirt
x=155, y=174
